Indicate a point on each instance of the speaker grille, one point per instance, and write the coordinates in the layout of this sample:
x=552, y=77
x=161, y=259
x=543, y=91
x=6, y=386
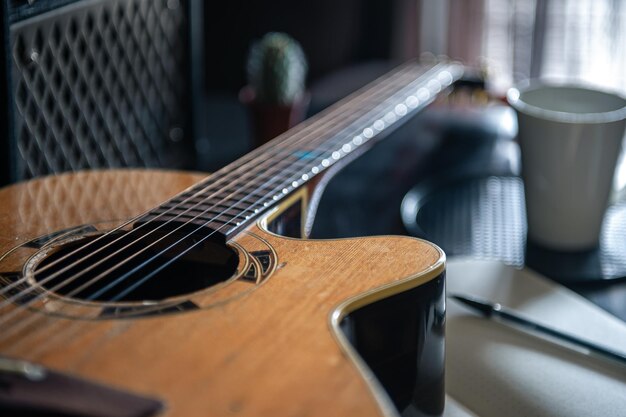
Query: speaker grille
x=100, y=84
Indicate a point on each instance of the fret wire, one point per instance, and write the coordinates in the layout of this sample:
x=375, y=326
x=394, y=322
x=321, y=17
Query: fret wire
x=276, y=198
x=200, y=210
x=350, y=122
x=199, y=221
x=329, y=111
x=326, y=142
x=342, y=103
x=373, y=88
x=208, y=188
x=334, y=144
x=325, y=155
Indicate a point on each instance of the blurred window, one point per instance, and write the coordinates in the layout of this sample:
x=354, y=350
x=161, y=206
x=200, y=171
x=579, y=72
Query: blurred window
x=562, y=39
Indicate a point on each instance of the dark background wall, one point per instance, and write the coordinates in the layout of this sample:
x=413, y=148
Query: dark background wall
x=333, y=34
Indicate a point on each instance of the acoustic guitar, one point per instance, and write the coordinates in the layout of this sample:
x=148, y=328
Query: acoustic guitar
x=133, y=293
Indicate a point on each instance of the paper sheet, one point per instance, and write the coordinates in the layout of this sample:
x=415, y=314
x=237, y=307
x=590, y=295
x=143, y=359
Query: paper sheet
x=496, y=371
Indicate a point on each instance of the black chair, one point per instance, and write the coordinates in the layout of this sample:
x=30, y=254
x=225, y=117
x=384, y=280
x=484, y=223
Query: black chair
x=99, y=84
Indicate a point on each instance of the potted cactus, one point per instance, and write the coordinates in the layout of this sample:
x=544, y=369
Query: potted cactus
x=275, y=93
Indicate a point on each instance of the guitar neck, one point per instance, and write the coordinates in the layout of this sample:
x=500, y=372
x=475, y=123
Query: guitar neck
x=242, y=191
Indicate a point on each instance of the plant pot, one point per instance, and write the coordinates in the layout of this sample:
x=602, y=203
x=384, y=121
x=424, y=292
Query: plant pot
x=270, y=120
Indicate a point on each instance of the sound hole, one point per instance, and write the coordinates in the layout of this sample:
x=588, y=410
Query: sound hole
x=130, y=266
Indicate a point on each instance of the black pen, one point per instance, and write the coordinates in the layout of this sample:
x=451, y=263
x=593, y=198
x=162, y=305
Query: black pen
x=495, y=310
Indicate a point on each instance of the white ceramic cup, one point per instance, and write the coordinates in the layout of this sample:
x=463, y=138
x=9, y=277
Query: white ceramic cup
x=570, y=137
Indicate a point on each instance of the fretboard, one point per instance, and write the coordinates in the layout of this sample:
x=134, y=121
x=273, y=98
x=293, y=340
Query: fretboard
x=245, y=189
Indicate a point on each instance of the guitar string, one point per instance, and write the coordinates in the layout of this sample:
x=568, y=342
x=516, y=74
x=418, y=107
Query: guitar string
x=226, y=172
x=77, y=324
x=326, y=139
x=160, y=214
x=24, y=324
x=175, y=207
x=163, y=266
x=81, y=288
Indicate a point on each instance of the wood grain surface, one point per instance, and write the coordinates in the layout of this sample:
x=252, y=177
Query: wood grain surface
x=269, y=352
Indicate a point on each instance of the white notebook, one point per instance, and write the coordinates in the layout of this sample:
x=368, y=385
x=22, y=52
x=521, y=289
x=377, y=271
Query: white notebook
x=493, y=370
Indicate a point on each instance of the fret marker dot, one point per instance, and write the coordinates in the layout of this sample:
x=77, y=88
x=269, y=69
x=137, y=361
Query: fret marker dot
x=379, y=125
x=325, y=163
x=336, y=155
x=400, y=109
x=390, y=117
x=315, y=170
x=265, y=204
x=346, y=148
x=423, y=94
x=305, y=177
x=275, y=197
x=357, y=140
x=412, y=102
x=285, y=191
x=294, y=184
x=434, y=85
x=257, y=210
x=445, y=77
x=368, y=133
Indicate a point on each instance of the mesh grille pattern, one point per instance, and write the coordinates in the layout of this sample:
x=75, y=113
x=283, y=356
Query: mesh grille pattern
x=99, y=84
x=486, y=219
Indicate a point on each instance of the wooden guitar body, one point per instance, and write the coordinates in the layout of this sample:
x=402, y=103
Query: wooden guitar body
x=349, y=327
x=142, y=293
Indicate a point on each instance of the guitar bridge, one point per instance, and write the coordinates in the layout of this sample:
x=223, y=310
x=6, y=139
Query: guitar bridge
x=24, y=369
x=28, y=389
